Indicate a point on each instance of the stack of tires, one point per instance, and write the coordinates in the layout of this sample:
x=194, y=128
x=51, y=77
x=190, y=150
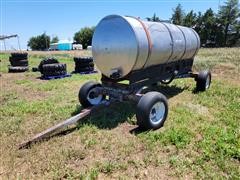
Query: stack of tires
x=19, y=62
x=51, y=67
x=83, y=64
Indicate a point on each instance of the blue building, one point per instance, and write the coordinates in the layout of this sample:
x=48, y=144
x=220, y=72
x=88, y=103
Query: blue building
x=63, y=45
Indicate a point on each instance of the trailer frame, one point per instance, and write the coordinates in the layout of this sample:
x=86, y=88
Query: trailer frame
x=141, y=81
x=163, y=73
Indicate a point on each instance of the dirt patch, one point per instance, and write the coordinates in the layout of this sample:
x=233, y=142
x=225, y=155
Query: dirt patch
x=10, y=80
x=149, y=172
x=125, y=129
x=179, y=99
x=227, y=71
x=202, y=110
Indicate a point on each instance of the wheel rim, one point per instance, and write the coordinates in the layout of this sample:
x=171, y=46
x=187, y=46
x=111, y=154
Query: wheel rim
x=166, y=80
x=94, y=100
x=207, y=82
x=157, y=112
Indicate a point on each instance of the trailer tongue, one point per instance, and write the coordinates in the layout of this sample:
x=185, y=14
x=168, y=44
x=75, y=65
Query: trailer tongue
x=48, y=132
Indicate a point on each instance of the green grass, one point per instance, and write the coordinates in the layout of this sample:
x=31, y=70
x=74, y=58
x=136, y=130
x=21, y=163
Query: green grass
x=199, y=140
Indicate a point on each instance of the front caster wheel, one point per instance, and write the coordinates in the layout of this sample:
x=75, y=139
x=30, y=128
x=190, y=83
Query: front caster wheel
x=88, y=95
x=203, y=80
x=152, y=110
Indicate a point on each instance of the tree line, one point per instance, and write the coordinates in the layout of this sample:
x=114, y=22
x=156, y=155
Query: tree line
x=42, y=42
x=221, y=29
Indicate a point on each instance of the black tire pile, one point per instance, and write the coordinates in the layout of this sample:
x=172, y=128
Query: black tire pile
x=19, y=62
x=51, y=67
x=83, y=64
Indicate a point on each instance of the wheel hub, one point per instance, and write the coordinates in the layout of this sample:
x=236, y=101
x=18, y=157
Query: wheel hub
x=92, y=95
x=157, y=112
x=94, y=98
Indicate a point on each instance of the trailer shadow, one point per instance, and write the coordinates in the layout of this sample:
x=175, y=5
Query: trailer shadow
x=111, y=116
x=169, y=90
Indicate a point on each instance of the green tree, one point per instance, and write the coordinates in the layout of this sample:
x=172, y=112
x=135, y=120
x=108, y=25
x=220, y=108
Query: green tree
x=228, y=17
x=208, y=28
x=198, y=25
x=84, y=36
x=55, y=39
x=40, y=42
x=178, y=15
x=190, y=19
x=153, y=18
x=237, y=35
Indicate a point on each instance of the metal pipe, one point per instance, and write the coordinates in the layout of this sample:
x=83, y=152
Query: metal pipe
x=4, y=45
x=18, y=43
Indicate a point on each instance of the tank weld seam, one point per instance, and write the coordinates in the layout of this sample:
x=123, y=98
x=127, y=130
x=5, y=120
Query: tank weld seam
x=172, y=44
x=185, y=43
x=138, y=46
x=135, y=64
x=149, y=27
x=148, y=38
x=198, y=42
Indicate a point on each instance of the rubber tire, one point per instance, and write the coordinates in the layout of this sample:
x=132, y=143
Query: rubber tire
x=23, y=62
x=83, y=59
x=202, y=79
x=17, y=58
x=19, y=55
x=144, y=107
x=56, y=66
x=55, y=73
x=17, y=69
x=167, y=81
x=83, y=92
x=83, y=64
x=47, y=61
x=35, y=69
x=54, y=69
x=86, y=69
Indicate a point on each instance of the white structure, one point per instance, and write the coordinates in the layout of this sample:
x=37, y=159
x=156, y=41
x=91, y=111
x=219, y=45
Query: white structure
x=89, y=48
x=53, y=47
x=77, y=47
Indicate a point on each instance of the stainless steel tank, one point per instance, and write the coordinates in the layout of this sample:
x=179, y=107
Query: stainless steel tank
x=123, y=44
